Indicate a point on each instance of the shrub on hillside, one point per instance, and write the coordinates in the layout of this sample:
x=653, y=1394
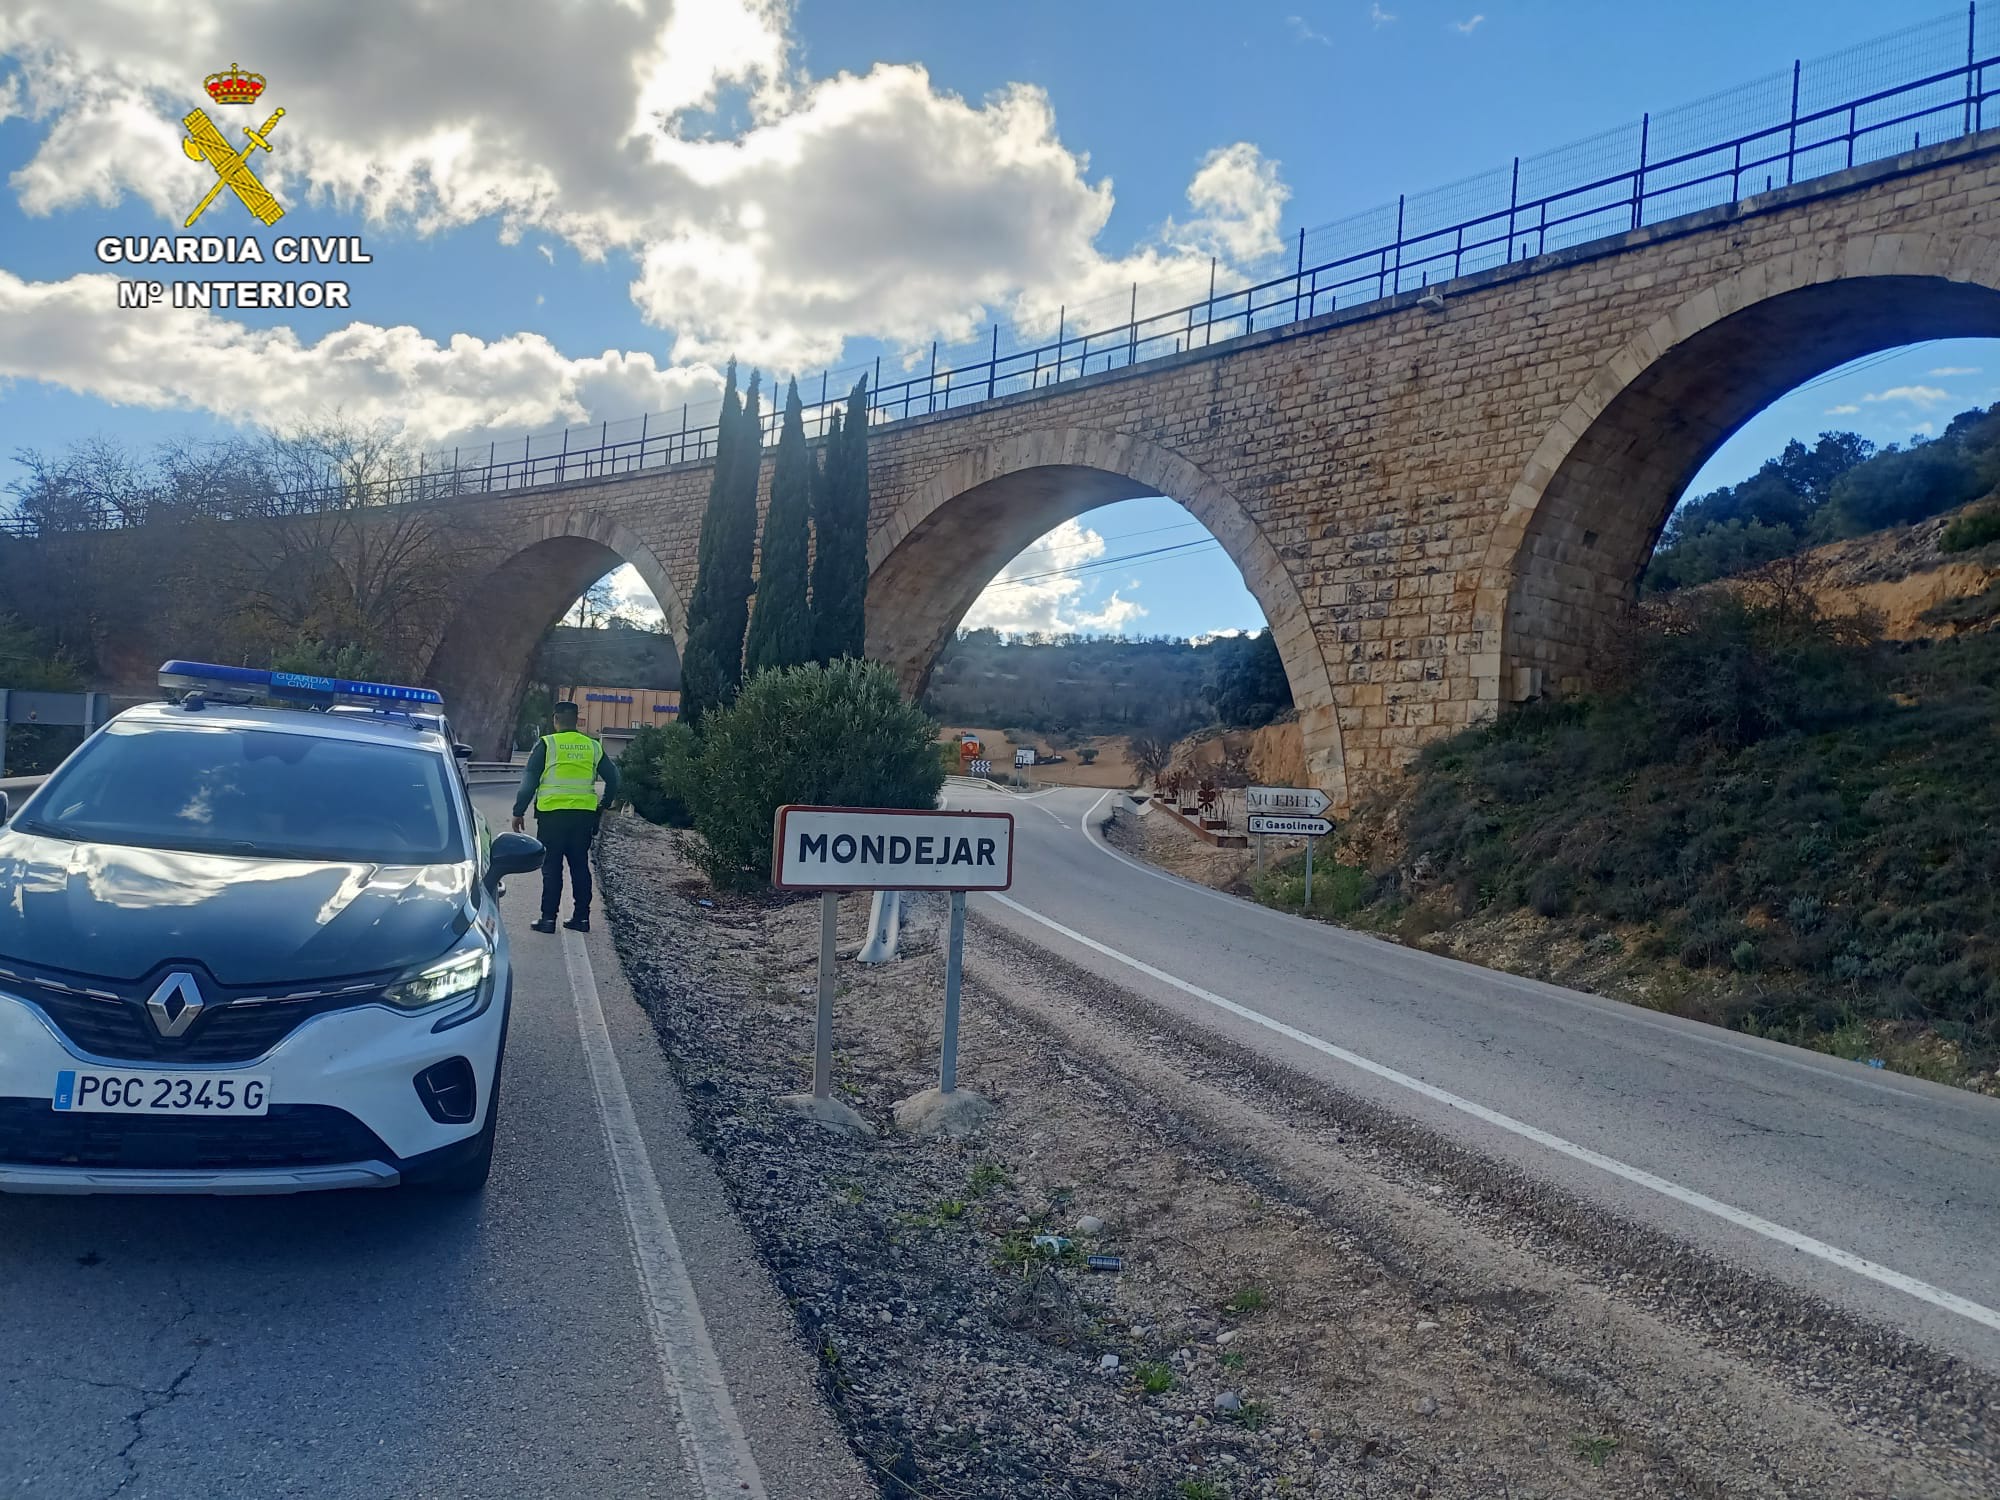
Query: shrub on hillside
x=1740, y=667
x=657, y=773
x=1803, y=816
x=1973, y=529
x=840, y=735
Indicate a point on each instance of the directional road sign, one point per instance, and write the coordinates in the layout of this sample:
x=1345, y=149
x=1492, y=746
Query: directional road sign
x=1311, y=828
x=980, y=768
x=1301, y=802
x=1024, y=757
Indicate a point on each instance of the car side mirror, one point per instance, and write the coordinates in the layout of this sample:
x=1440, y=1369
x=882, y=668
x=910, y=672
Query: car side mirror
x=513, y=854
x=4, y=814
x=463, y=752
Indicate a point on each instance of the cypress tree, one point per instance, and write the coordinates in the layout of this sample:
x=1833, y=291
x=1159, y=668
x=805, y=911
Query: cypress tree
x=825, y=480
x=781, y=631
x=719, y=611
x=840, y=538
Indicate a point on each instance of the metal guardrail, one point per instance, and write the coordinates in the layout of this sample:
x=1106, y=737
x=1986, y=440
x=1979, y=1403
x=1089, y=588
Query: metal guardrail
x=1795, y=145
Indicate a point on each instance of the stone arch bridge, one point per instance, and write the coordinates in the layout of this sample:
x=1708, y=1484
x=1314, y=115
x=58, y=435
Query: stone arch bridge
x=1443, y=508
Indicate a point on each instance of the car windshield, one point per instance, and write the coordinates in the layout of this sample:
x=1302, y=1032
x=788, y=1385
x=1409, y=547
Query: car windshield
x=218, y=790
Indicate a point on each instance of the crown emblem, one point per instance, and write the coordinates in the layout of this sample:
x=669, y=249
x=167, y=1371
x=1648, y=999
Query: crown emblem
x=235, y=86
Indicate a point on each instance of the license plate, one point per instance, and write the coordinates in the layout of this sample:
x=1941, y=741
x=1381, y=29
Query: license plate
x=104, y=1092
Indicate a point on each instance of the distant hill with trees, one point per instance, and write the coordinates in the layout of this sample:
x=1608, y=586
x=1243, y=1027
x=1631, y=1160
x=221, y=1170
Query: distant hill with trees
x=614, y=654
x=1842, y=486
x=1096, y=685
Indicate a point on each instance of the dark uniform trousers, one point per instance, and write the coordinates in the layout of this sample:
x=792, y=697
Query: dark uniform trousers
x=565, y=833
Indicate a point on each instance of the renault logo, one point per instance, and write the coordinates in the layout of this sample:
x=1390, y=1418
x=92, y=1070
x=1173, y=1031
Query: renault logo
x=175, y=1004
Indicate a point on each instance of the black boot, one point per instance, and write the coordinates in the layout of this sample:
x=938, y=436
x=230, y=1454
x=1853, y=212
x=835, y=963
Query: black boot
x=579, y=923
x=542, y=924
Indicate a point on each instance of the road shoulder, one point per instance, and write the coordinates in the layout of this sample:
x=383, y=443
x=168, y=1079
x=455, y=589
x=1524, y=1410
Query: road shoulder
x=1353, y=1318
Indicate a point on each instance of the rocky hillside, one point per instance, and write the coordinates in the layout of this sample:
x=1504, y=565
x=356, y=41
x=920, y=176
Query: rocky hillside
x=1789, y=822
x=1915, y=588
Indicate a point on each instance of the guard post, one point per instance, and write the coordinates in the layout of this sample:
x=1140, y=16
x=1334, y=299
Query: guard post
x=836, y=850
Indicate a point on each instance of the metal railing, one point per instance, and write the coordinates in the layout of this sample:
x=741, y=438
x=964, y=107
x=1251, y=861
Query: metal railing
x=1793, y=143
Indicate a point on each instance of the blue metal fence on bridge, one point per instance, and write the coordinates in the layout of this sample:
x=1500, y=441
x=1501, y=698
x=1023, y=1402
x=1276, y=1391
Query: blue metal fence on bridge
x=1925, y=84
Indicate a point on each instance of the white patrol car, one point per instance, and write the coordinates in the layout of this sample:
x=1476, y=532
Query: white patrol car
x=250, y=946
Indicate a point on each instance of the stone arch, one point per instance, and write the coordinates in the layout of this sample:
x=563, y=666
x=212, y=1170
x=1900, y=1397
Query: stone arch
x=1562, y=567
x=481, y=658
x=929, y=560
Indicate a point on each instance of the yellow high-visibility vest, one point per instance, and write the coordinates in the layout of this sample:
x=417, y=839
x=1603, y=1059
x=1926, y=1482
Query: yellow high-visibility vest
x=569, y=773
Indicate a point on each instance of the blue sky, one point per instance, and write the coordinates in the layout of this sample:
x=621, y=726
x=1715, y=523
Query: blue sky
x=533, y=266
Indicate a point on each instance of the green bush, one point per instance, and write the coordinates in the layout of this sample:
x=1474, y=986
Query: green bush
x=657, y=774
x=311, y=657
x=840, y=735
x=1973, y=529
x=1773, y=799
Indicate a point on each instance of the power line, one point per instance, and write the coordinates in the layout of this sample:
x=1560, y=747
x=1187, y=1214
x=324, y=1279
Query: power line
x=1121, y=536
x=1178, y=549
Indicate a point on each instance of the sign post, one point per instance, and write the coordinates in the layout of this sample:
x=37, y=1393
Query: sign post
x=836, y=849
x=1293, y=810
x=954, y=963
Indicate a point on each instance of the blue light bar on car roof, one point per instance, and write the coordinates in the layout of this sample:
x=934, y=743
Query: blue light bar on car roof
x=198, y=676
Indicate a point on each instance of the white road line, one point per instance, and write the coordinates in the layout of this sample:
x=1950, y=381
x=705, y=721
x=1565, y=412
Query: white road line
x=1504, y=980
x=712, y=1437
x=1831, y=1254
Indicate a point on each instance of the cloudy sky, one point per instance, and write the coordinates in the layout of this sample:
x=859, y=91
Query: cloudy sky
x=577, y=209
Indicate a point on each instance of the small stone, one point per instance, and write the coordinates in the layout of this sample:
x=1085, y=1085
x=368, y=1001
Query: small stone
x=1109, y=1362
x=1228, y=1401
x=1314, y=1434
x=885, y=1316
x=1228, y=1335
x=1426, y=1406
x=1425, y=1325
x=1090, y=1224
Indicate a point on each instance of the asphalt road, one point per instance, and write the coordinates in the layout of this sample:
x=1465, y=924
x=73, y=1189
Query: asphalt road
x=382, y=1344
x=1878, y=1192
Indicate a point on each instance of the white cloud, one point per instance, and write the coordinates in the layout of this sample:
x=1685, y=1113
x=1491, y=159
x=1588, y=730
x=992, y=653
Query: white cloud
x=1021, y=599
x=1916, y=395
x=1378, y=15
x=1925, y=429
x=548, y=254
x=1466, y=28
x=755, y=200
x=1950, y=370
x=1302, y=29
x=72, y=334
x=631, y=597
x=1845, y=409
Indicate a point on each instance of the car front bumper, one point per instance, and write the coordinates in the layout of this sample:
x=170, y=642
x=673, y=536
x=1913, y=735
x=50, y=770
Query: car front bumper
x=343, y=1083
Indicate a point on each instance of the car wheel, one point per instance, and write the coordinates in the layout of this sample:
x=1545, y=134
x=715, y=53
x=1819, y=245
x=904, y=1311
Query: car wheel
x=469, y=1176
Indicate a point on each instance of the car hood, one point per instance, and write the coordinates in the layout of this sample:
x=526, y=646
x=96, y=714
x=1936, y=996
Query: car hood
x=118, y=912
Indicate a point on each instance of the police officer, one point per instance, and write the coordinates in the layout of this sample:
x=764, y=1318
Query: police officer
x=561, y=779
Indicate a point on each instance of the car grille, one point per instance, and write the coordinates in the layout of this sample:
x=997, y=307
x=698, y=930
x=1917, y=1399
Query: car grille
x=291, y=1135
x=111, y=1021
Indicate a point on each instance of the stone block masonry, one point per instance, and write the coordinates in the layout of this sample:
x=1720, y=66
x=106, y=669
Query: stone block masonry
x=1441, y=512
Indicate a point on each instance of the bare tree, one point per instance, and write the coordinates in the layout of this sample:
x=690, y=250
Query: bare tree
x=1151, y=749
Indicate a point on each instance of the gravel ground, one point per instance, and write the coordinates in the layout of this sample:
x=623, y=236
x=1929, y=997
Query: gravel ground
x=1313, y=1300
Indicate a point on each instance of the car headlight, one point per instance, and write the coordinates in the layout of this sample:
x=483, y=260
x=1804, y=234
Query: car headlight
x=460, y=972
